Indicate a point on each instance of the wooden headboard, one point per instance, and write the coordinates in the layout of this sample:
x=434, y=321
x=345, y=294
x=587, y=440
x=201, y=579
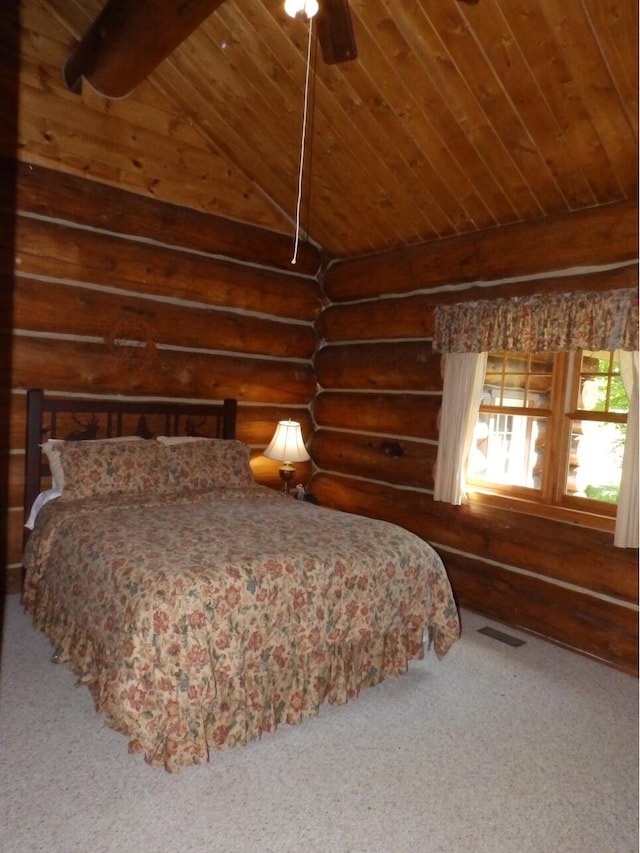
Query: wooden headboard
x=75, y=419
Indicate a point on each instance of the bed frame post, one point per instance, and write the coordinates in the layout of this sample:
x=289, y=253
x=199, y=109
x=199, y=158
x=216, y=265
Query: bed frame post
x=229, y=420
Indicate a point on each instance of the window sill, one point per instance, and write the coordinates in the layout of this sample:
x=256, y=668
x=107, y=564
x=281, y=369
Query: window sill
x=524, y=506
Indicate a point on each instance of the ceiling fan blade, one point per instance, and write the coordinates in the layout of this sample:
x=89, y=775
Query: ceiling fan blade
x=335, y=31
x=469, y=2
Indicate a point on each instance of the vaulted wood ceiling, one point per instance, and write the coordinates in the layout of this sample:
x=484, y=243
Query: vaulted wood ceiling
x=453, y=118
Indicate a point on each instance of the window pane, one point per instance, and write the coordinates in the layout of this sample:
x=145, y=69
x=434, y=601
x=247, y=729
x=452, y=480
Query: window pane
x=595, y=460
x=601, y=388
x=507, y=449
x=596, y=446
x=518, y=380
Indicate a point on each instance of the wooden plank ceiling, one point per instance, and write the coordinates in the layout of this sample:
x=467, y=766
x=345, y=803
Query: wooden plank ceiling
x=453, y=119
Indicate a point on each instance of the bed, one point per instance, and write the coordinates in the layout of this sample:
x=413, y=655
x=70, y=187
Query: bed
x=201, y=608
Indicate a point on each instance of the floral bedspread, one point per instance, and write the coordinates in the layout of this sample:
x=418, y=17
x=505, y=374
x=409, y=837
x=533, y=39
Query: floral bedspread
x=202, y=621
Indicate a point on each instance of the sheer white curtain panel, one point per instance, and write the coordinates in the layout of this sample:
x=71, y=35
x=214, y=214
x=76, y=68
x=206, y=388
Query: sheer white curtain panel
x=626, y=533
x=463, y=377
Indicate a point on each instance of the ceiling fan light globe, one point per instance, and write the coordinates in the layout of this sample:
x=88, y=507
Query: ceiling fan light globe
x=305, y=9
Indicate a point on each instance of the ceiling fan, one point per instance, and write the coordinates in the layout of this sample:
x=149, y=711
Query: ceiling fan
x=129, y=38
x=338, y=44
x=334, y=27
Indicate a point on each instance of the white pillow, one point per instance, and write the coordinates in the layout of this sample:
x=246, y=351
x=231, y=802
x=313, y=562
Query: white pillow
x=40, y=501
x=51, y=450
x=180, y=439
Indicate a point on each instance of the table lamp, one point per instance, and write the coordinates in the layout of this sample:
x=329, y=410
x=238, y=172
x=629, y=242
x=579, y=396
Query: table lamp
x=287, y=446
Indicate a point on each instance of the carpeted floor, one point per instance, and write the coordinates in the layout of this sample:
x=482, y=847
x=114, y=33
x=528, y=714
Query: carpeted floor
x=499, y=749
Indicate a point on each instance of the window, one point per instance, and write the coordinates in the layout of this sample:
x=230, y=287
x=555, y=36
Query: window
x=551, y=430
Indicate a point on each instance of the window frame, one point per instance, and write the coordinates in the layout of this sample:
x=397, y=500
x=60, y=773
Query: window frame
x=551, y=499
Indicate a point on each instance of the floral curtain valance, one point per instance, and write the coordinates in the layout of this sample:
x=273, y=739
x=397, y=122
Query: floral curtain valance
x=554, y=322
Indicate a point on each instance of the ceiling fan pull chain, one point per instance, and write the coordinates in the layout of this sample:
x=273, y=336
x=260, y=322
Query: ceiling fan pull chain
x=303, y=144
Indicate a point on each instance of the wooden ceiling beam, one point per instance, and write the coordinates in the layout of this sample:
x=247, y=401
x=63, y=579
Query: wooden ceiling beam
x=128, y=39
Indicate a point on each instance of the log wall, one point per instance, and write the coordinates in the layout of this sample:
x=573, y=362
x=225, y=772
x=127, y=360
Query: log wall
x=115, y=294
x=376, y=416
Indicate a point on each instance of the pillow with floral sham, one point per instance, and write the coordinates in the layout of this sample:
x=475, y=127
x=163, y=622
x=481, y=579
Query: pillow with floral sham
x=101, y=468
x=51, y=449
x=208, y=463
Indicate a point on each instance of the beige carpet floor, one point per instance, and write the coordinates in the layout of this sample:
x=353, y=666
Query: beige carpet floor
x=499, y=749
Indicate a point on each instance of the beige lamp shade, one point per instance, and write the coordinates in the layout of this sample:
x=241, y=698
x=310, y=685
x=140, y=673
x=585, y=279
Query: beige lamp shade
x=287, y=444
